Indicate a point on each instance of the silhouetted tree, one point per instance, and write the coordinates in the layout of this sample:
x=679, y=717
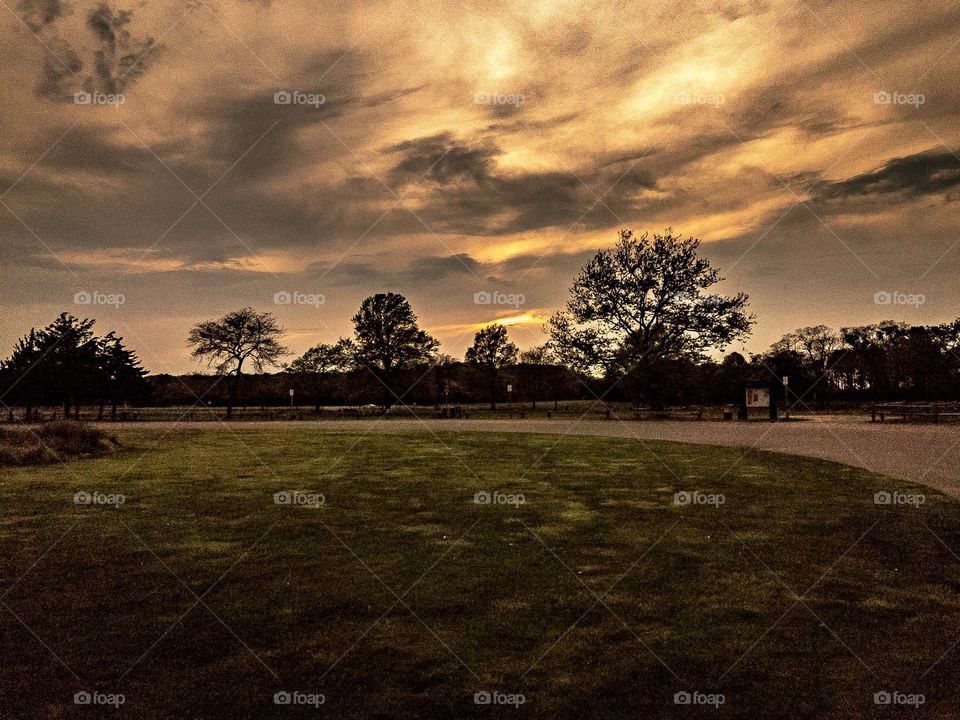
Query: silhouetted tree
x=240, y=336
x=25, y=361
x=816, y=347
x=445, y=371
x=66, y=364
x=536, y=365
x=644, y=302
x=491, y=352
x=323, y=360
x=69, y=352
x=120, y=373
x=326, y=358
x=388, y=339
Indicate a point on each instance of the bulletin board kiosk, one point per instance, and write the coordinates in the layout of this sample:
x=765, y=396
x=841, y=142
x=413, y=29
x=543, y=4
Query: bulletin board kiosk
x=759, y=399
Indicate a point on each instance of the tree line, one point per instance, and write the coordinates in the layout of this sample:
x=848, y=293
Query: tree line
x=642, y=324
x=66, y=364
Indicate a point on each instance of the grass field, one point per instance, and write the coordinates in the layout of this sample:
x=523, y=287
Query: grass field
x=784, y=587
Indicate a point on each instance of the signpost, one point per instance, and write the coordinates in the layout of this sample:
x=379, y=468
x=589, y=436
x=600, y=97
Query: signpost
x=510, y=397
x=291, y=397
x=786, y=397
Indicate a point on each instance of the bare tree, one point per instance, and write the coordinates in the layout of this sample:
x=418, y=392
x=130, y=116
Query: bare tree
x=238, y=337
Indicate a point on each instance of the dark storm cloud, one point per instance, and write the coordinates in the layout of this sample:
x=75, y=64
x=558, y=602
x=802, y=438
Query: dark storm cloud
x=121, y=59
x=388, y=97
x=467, y=193
x=523, y=125
x=440, y=159
x=927, y=173
x=630, y=157
x=426, y=270
x=346, y=272
x=118, y=60
x=61, y=66
x=241, y=146
x=233, y=123
x=433, y=267
x=731, y=11
x=37, y=14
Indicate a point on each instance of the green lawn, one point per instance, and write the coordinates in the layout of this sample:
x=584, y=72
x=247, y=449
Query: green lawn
x=400, y=596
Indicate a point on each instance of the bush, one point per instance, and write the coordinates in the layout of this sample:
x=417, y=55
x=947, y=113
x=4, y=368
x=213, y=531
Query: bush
x=53, y=442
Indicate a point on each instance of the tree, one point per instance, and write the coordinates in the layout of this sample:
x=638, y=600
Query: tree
x=728, y=379
x=326, y=358
x=69, y=349
x=66, y=363
x=535, y=365
x=388, y=339
x=234, y=339
x=816, y=347
x=321, y=361
x=24, y=362
x=491, y=352
x=643, y=303
x=445, y=371
x=538, y=355
x=121, y=375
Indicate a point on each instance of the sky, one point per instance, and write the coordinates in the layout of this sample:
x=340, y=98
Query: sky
x=163, y=163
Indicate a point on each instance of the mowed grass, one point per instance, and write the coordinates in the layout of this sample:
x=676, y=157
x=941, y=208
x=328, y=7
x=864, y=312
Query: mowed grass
x=199, y=597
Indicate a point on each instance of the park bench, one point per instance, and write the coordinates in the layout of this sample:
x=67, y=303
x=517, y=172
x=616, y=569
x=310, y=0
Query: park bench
x=935, y=412
x=687, y=413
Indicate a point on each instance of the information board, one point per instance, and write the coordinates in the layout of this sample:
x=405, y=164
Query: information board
x=758, y=397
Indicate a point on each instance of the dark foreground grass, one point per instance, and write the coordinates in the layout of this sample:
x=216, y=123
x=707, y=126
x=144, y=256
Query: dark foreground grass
x=199, y=597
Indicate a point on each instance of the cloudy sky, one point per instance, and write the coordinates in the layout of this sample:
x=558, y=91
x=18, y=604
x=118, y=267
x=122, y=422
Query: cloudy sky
x=445, y=149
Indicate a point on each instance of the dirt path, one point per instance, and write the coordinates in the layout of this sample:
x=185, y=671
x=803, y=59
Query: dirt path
x=928, y=454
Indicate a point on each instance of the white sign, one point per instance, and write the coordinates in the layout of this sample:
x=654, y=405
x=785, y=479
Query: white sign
x=509, y=388
x=291, y=392
x=786, y=380
x=758, y=397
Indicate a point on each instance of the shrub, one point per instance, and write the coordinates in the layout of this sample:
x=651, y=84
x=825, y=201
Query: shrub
x=53, y=442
